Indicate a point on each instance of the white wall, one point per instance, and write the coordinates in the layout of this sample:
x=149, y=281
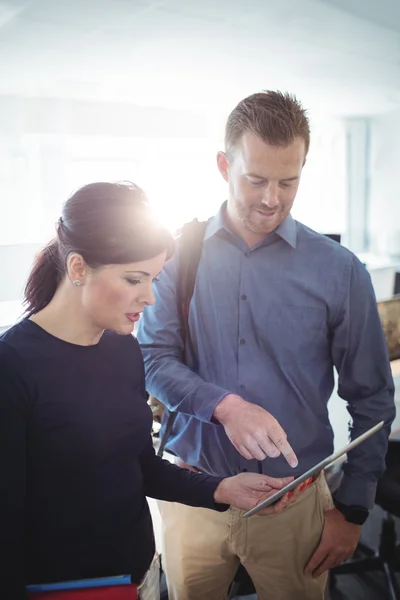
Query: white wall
x=384, y=201
x=321, y=202
x=50, y=147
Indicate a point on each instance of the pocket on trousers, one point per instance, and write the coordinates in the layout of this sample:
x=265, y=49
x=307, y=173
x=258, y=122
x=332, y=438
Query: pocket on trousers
x=149, y=589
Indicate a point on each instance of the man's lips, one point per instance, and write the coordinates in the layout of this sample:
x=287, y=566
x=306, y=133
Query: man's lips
x=266, y=214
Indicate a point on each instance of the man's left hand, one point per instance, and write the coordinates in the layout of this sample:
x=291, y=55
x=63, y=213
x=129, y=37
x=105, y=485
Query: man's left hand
x=339, y=541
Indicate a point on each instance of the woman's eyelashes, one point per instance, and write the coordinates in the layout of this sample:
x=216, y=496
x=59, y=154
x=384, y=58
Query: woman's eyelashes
x=133, y=281
x=138, y=281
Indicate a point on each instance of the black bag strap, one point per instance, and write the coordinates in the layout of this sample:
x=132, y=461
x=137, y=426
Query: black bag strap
x=191, y=244
x=190, y=254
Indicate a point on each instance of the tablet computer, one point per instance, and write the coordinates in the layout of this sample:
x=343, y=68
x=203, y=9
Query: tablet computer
x=314, y=470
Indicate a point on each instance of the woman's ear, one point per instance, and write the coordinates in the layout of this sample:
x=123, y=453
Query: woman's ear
x=77, y=269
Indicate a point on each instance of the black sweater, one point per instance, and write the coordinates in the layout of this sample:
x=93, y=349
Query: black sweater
x=77, y=462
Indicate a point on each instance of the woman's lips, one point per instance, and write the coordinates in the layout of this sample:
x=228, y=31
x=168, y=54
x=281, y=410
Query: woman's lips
x=133, y=317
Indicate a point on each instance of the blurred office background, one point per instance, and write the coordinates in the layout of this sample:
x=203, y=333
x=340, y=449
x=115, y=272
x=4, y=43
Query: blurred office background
x=140, y=89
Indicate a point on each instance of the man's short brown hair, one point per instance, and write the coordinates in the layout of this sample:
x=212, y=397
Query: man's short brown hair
x=276, y=117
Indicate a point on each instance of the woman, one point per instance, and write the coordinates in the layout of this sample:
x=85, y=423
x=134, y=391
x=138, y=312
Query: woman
x=76, y=458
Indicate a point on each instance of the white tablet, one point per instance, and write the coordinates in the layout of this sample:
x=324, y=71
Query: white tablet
x=314, y=470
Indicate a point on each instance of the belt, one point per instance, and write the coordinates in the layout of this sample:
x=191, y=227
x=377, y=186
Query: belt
x=179, y=462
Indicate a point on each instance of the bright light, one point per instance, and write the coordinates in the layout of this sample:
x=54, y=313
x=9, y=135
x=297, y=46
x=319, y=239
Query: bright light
x=179, y=175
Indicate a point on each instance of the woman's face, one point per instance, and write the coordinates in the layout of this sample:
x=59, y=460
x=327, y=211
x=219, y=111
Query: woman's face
x=113, y=296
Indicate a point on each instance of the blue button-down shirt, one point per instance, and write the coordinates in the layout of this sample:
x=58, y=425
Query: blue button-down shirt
x=270, y=324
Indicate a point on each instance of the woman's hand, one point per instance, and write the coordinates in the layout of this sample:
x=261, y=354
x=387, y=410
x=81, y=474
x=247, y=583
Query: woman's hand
x=247, y=490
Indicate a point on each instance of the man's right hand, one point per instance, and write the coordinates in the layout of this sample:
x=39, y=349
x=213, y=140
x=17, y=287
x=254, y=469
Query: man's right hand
x=253, y=431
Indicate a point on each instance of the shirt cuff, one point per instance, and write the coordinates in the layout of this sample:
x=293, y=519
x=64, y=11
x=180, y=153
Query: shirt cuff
x=205, y=399
x=357, y=492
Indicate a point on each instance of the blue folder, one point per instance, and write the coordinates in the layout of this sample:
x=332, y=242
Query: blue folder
x=79, y=584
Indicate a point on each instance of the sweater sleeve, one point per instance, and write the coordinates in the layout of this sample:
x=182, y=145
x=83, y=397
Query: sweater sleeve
x=14, y=403
x=165, y=481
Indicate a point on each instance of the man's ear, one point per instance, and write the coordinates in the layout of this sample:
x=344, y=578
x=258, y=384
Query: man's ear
x=223, y=165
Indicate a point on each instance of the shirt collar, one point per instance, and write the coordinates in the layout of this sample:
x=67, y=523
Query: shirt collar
x=216, y=223
x=287, y=230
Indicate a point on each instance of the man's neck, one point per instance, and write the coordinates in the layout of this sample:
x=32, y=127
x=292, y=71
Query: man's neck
x=250, y=238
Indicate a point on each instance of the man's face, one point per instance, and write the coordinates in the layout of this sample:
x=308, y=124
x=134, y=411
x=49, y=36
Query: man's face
x=263, y=182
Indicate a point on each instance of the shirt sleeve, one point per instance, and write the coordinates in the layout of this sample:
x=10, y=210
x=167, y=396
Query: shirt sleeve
x=14, y=402
x=165, y=481
x=360, y=356
x=160, y=338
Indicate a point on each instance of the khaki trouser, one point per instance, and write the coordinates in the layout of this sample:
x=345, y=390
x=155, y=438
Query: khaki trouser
x=202, y=549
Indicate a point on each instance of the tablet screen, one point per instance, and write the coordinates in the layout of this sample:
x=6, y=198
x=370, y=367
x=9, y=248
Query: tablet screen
x=314, y=471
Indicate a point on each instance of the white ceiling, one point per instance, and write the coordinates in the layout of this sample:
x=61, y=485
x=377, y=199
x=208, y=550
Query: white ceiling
x=339, y=56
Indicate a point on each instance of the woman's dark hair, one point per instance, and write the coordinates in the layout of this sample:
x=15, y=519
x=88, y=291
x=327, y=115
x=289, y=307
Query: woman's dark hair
x=106, y=223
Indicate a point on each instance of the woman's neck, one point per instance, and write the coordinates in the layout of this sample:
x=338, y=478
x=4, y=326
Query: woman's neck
x=64, y=318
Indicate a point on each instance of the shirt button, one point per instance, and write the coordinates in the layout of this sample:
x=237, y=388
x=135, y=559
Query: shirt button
x=247, y=254
x=242, y=341
x=242, y=387
x=243, y=297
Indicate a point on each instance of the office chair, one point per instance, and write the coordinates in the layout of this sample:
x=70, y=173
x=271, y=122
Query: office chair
x=387, y=557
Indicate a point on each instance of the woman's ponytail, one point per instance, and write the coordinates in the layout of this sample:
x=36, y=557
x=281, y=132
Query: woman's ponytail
x=43, y=279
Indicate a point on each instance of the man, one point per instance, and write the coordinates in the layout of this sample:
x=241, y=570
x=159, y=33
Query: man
x=275, y=308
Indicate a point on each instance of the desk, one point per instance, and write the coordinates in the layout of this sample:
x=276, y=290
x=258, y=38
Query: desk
x=395, y=364
x=339, y=416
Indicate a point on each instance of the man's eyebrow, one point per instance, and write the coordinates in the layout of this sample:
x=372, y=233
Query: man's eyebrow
x=255, y=176
x=294, y=178
x=291, y=178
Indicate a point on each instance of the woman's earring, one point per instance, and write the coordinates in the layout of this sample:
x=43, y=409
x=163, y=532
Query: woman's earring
x=77, y=282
